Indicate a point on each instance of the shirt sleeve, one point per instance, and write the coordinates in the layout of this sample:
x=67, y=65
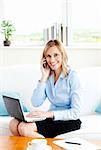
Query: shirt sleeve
x=39, y=94
x=73, y=112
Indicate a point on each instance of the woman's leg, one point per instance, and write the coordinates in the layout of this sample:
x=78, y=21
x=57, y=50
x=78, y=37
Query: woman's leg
x=28, y=130
x=13, y=126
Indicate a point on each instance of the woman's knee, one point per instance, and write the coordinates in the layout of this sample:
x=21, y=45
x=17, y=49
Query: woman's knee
x=25, y=129
x=13, y=125
x=21, y=128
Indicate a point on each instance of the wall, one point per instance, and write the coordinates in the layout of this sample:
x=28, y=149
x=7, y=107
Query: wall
x=78, y=57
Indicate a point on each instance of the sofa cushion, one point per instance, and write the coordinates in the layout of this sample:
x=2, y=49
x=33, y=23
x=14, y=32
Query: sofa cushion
x=4, y=125
x=22, y=79
x=90, y=79
x=3, y=111
x=98, y=109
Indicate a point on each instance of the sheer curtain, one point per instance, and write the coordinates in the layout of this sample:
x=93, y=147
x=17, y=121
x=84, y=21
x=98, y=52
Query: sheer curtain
x=33, y=15
x=1, y=9
x=84, y=22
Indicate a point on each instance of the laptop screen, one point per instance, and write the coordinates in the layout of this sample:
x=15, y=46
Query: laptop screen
x=13, y=107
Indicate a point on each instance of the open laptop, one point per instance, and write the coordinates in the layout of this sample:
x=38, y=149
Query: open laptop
x=15, y=110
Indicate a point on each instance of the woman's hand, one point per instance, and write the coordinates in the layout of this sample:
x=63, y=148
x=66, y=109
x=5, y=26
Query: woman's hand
x=41, y=114
x=45, y=70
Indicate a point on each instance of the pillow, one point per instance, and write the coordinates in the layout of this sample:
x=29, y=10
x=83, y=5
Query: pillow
x=98, y=108
x=3, y=111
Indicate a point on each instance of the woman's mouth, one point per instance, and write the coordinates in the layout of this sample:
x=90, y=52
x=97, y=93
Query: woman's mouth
x=53, y=65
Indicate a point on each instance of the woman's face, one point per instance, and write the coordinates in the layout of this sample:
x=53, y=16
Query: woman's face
x=54, y=58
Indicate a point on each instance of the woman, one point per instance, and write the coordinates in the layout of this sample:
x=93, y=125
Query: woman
x=60, y=84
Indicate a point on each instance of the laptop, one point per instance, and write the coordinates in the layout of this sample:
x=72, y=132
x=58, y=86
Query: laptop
x=14, y=109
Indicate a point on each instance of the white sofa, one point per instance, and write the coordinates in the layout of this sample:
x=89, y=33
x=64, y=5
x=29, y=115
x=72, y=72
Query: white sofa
x=23, y=79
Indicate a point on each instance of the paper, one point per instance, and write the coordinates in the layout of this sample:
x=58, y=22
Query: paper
x=84, y=144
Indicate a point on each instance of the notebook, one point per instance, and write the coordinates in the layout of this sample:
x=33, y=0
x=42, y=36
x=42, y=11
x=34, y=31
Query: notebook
x=15, y=109
x=76, y=144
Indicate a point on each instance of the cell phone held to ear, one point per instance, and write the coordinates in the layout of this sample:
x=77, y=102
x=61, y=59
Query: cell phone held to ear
x=45, y=64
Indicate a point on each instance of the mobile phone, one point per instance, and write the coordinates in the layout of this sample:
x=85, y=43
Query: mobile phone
x=45, y=65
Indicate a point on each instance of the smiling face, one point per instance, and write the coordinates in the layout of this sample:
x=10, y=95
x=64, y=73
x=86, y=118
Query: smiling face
x=54, y=58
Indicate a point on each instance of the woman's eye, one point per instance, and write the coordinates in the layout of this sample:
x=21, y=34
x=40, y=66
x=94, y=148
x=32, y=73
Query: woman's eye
x=48, y=56
x=55, y=55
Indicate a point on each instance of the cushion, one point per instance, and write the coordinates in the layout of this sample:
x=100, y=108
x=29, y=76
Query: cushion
x=98, y=108
x=3, y=111
x=4, y=125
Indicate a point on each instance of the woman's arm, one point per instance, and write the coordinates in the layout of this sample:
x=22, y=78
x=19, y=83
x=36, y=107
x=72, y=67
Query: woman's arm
x=39, y=94
x=41, y=114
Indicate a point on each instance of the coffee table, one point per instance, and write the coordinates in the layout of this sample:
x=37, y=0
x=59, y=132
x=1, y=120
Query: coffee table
x=20, y=143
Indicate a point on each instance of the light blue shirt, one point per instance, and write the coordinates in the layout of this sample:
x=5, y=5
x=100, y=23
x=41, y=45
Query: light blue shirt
x=65, y=96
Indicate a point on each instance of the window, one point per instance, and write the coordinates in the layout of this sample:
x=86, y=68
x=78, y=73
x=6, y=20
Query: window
x=33, y=19
x=84, y=22
x=74, y=22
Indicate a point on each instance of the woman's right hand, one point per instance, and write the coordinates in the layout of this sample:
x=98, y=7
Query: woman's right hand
x=45, y=69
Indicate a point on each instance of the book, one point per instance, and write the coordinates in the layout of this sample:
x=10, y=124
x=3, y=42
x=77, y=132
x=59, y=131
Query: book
x=76, y=144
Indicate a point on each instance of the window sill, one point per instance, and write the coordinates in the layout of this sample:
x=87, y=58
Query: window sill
x=41, y=48
x=30, y=47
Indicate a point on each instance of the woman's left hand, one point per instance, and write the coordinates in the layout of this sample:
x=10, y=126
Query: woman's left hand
x=42, y=114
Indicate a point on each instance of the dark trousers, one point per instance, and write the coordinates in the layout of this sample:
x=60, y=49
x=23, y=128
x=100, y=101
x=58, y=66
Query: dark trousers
x=50, y=128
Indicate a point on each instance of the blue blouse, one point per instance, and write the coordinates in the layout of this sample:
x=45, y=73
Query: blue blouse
x=64, y=95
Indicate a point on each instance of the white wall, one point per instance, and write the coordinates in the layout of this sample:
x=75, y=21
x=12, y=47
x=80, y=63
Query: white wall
x=77, y=57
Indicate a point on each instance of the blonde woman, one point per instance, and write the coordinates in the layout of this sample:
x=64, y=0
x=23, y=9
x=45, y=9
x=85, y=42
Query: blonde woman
x=60, y=84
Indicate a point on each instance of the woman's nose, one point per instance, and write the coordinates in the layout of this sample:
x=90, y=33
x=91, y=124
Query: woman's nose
x=52, y=59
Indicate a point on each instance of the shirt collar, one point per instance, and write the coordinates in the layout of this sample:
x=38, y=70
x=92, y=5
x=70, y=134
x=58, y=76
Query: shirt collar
x=61, y=75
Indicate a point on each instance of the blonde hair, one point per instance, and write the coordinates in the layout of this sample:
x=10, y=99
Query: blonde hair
x=62, y=50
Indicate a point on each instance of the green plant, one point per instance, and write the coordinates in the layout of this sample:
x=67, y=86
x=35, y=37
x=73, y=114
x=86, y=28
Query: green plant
x=7, y=29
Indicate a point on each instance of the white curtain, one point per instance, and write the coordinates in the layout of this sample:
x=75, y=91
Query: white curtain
x=32, y=15
x=1, y=9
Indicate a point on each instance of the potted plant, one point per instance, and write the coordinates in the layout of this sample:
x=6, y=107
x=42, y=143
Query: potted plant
x=7, y=29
